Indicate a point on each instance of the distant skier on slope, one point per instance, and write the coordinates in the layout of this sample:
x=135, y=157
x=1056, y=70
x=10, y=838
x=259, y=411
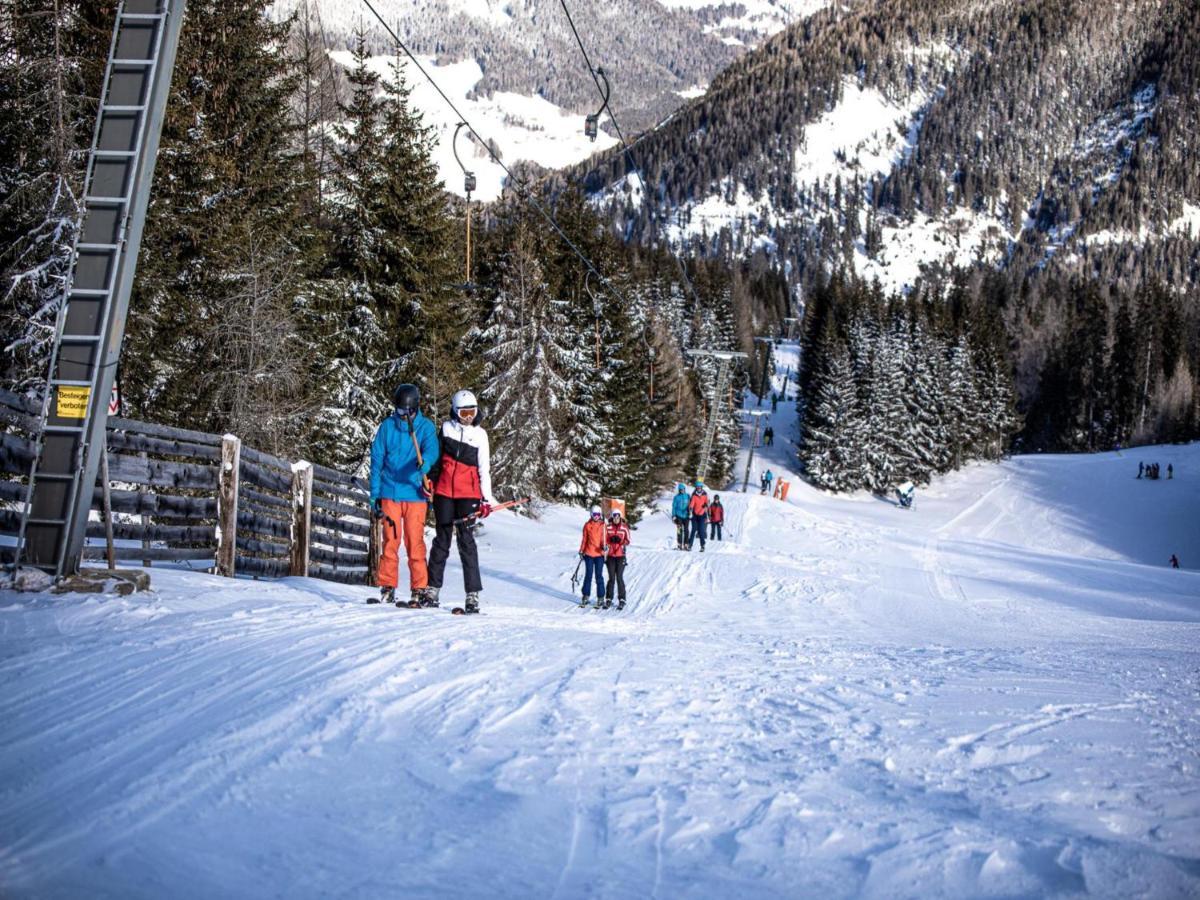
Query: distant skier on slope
x=716, y=518
x=698, y=507
x=404, y=450
x=679, y=514
x=767, y=478
x=617, y=538
x=1174, y=561
x=464, y=489
x=591, y=550
x=769, y=437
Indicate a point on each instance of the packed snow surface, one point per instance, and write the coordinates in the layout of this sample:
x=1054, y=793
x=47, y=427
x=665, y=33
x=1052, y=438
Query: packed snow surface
x=991, y=694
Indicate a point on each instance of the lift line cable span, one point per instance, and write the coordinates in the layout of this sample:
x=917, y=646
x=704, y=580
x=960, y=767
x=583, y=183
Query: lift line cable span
x=527, y=197
x=625, y=145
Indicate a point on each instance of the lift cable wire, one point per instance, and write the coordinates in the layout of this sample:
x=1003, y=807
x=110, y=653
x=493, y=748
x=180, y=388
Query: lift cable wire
x=626, y=147
x=517, y=186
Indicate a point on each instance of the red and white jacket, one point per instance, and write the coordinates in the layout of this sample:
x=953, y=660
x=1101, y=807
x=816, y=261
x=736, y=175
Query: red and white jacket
x=465, y=463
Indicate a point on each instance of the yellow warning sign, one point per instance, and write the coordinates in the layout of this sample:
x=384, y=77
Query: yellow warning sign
x=72, y=401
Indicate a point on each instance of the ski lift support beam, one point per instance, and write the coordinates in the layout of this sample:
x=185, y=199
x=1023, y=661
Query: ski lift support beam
x=725, y=359
x=91, y=318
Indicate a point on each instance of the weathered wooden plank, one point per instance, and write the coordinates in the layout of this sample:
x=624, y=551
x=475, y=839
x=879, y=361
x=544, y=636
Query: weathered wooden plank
x=128, y=440
x=12, y=491
x=340, y=541
x=16, y=454
x=342, y=493
x=18, y=403
x=271, y=501
x=161, y=473
x=345, y=526
x=148, y=503
x=324, y=473
x=179, y=534
x=345, y=576
x=343, y=509
x=267, y=461
x=271, y=479
x=263, y=548
x=341, y=560
x=266, y=568
x=265, y=525
x=155, y=553
x=163, y=431
x=10, y=521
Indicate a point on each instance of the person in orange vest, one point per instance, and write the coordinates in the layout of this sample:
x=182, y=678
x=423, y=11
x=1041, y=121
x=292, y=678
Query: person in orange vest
x=617, y=538
x=716, y=517
x=698, y=507
x=591, y=550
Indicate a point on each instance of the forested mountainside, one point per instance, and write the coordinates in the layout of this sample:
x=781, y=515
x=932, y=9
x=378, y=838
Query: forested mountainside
x=650, y=51
x=919, y=141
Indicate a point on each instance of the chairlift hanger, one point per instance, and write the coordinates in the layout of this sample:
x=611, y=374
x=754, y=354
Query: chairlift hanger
x=591, y=125
x=469, y=184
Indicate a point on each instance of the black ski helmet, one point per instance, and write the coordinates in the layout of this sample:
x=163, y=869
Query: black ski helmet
x=406, y=398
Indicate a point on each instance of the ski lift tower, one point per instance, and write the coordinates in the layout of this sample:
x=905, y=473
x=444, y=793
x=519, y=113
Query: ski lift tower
x=756, y=416
x=91, y=318
x=766, y=366
x=725, y=359
x=791, y=322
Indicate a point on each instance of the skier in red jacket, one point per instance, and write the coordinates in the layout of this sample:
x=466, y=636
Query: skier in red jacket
x=698, y=507
x=618, y=540
x=716, y=518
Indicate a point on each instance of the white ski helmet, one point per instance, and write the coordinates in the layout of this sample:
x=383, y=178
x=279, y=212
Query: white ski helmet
x=464, y=400
x=596, y=511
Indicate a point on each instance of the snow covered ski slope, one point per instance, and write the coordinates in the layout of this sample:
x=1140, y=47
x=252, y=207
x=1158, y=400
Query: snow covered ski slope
x=992, y=694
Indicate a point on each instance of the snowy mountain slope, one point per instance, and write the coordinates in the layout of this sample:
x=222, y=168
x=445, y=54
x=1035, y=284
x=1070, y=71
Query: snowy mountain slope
x=991, y=694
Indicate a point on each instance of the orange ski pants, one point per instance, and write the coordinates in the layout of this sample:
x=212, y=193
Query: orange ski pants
x=403, y=521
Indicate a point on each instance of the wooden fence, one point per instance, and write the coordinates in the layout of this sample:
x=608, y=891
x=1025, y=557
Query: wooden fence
x=179, y=495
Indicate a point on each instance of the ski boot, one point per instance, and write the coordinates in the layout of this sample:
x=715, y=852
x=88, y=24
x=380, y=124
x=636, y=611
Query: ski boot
x=607, y=603
x=701, y=548
x=620, y=606
x=429, y=598
x=414, y=599
x=386, y=595
x=470, y=606
x=583, y=603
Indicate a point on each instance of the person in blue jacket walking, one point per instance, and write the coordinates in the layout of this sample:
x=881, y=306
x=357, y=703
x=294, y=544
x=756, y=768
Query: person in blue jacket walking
x=404, y=450
x=680, y=514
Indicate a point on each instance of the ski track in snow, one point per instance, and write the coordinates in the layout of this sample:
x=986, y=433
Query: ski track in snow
x=982, y=696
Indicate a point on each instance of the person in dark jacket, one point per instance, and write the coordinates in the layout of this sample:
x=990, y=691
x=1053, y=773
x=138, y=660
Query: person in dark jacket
x=679, y=515
x=698, y=507
x=618, y=539
x=404, y=450
x=463, y=490
x=716, y=518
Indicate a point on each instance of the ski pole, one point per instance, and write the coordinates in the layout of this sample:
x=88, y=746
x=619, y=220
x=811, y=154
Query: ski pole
x=575, y=577
x=506, y=505
x=426, y=485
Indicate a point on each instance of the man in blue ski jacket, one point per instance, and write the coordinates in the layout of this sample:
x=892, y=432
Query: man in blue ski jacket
x=404, y=450
x=679, y=513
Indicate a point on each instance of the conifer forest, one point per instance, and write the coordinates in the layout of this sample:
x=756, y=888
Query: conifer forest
x=302, y=254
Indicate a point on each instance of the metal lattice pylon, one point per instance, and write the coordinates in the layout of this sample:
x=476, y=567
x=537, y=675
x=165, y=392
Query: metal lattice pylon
x=726, y=358
x=91, y=320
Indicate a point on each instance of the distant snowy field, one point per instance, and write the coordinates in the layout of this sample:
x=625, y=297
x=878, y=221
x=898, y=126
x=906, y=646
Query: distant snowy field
x=993, y=694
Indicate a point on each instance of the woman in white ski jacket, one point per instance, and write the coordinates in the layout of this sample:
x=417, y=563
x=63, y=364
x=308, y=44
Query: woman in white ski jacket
x=463, y=490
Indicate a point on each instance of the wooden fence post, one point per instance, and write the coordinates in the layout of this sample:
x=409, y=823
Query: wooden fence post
x=227, y=504
x=302, y=486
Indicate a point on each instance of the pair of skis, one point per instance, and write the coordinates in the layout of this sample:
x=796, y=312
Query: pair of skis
x=603, y=605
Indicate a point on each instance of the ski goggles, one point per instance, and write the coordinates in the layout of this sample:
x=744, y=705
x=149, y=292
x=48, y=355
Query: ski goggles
x=597, y=516
x=466, y=412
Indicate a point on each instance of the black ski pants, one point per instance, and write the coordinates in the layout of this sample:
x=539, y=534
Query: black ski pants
x=616, y=577
x=445, y=511
x=681, y=531
x=698, y=529
x=714, y=531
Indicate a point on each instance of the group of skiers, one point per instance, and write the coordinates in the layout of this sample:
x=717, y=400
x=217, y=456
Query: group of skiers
x=603, y=547
x=1153, y=472
x=406, y=449
x=769, y=437
x=696, y=510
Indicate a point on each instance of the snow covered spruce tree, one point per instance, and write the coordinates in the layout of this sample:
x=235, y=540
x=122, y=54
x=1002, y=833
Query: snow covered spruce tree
x=930, y=384
x=225, y=245
x=528, y=366
x=51, y=61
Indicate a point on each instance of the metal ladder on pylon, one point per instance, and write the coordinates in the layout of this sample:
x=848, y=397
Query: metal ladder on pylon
x=91, y=320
